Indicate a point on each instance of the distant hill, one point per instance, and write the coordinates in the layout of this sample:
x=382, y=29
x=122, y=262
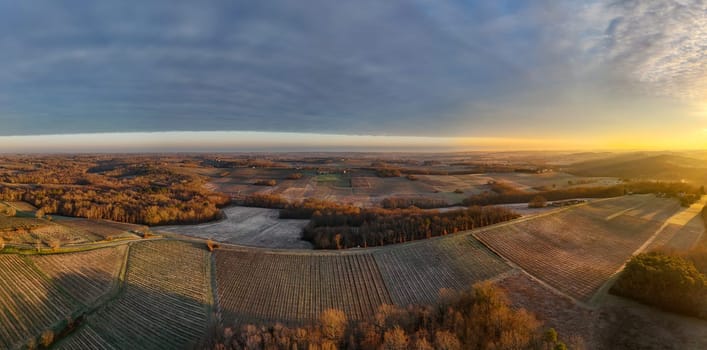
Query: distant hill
x=645, y=166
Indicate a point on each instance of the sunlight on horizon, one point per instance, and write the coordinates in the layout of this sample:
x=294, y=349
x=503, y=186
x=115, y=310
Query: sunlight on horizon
x=252, y=141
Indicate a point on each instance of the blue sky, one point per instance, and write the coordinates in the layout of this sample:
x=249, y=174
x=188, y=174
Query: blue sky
x=448, y=69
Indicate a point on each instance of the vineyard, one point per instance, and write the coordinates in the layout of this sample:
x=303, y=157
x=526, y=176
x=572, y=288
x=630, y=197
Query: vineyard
x=87, y=275
x=158, y=294
x=102, y=229
x=166, y=302
x=85, y=338
x=577, y=250
x=263, y=286
x=29, y=302
x=415, y=273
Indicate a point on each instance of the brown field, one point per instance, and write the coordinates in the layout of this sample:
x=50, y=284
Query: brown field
x=30, y=302
x=617, y=323
x=551, y=180
x=10, y=224
x=166, y=302
x=571, y=320
x=23, y=206
x=582, y=246
x=364, y=188
x=296, y=287
x=25, y=229
x=415, y=273
x=102, y=229
x=86, y=276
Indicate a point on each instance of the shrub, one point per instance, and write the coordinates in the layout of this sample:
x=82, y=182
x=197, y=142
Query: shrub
x=388, y=172
x=537, y=202
x=446, y=340
x=211, y=245
x=54, y=244
x=264, y=200
x=294, y=176
x=395, y=339
x=47, y=338
x=333, y=324
x=669, y=282
x=10, y=211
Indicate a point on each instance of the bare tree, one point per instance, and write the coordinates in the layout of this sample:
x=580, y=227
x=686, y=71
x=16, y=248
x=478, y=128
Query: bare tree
x=334, y=324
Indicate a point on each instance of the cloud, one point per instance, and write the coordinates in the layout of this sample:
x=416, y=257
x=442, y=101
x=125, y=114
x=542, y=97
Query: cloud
x=661, y=45
x=370, y=67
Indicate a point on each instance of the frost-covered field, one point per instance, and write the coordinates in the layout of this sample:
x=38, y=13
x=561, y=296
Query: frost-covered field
x=258, y=227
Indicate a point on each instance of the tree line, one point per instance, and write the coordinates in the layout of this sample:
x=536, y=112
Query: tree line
x=502, y=193
x=418, y=202
x=480, y=318
x=341, y=226
x=367, y=227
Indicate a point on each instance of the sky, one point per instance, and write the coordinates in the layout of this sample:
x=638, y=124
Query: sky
x=368, y=74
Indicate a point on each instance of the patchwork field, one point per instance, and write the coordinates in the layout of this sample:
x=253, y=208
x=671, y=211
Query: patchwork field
x=364, y=188
x=577, y=250
x=258, y=227
x=161, y=292
x=298, y=286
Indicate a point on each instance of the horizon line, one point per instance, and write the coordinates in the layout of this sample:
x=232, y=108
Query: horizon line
x=251, y=141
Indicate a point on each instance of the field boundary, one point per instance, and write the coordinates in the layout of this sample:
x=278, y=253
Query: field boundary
x=603, y=290
x=322, y=252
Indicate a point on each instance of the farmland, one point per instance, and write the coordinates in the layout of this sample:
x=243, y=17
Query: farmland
x=581, y=247
x=124, y=289
x=25, y=229
x=167, y=283
x=415, y=273
x=86, y=276
x=166, y=300
x=30, y=302
x=356, y=179
x=257, y=227
x=297, y=287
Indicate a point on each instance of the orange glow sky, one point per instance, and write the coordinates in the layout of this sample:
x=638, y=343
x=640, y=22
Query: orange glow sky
x=367, y=75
